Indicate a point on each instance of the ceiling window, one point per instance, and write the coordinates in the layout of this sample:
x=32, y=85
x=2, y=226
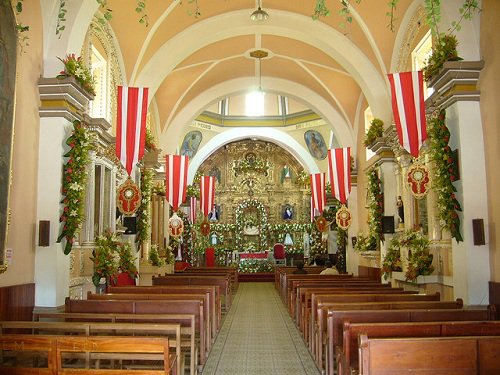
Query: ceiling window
x=420, y=55
x=254, y=104
x=99, y=106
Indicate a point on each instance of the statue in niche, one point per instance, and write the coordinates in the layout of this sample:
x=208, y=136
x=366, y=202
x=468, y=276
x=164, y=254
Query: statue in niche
x=401, y=209
x=288, y=212
x=286, y=173
x=215, y=172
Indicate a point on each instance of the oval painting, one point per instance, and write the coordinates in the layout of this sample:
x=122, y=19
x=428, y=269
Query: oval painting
x=191, y=143
x=316, y=144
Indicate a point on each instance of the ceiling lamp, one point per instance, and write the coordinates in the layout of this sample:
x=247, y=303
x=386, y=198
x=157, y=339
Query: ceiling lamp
x=259, y=54
x=259, y=14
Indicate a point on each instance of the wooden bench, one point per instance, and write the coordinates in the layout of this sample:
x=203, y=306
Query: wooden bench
x=347, y=355
x=187, y=322
x=213, y=290
x=282, y=270
x=208, y=307
x=172, y=331
x=433, y=355
x=335, y=321
x=223, y=282
x=319, y=333
x=232, y=271
x=57, y=348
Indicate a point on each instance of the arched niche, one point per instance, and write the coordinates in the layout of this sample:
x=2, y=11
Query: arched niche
x=8, y=57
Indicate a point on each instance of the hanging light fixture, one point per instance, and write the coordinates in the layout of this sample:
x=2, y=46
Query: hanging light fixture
x=259, y=14
x=259, y=54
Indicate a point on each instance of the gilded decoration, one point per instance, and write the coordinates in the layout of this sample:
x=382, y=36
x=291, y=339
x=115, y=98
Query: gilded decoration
x=256, y=181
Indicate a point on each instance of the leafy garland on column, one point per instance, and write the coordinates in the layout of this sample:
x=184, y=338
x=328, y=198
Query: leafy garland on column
x=444, y=175
x=74, y=184
x=144, y=213
x=375, y=205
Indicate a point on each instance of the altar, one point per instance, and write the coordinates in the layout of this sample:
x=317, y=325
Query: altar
x=245, y=255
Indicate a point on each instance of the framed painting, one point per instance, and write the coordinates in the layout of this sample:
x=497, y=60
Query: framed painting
x=316, y=144
x=191, y=143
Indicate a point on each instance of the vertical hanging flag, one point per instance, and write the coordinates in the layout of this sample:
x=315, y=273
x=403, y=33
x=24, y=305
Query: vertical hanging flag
x=318, y=192
x=408, y=107
x=339, y=166
x=192, y=210
x=176, y=179
x=132, y=109
x=207, y=194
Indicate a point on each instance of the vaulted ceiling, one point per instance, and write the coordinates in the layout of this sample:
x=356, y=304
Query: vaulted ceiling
x=190, y=62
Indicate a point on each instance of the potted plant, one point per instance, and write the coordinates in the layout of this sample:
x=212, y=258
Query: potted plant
x=444, y=50
x=375, y=131
x=103, y=256
x=365, y=243
x=154, y=257
x=127, y=270
x=74, y=67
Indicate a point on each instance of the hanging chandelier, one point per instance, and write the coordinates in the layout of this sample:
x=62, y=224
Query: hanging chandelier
x=259, y=14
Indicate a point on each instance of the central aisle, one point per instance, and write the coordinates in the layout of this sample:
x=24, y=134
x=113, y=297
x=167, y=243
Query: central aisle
x=259, y=337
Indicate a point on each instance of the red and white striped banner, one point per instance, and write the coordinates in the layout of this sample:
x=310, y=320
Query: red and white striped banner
x=318, y=192
x=207, y=194
x=192, y=210
x=176, y=170
x=131, y=125
x=339, y=166
x=408, y=107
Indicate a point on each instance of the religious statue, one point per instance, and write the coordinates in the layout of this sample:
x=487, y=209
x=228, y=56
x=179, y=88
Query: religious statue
x=214, y=214
x=288, y=213
x=401, y=209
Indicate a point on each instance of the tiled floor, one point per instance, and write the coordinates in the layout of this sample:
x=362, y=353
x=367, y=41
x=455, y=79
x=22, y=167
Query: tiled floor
x=258, y=337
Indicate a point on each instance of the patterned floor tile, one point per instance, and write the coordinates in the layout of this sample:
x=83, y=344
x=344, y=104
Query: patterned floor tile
x=258, y=337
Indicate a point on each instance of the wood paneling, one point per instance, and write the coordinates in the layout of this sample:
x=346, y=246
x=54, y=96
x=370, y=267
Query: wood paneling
x=17, y=302
x=494, y=288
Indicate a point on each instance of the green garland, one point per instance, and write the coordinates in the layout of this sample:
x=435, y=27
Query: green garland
x=143, y=212
x=375, y=206
x=444, y=175
x=74, y=184
x=263, y=225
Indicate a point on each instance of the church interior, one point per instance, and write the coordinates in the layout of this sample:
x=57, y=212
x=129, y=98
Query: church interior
x=289, y=121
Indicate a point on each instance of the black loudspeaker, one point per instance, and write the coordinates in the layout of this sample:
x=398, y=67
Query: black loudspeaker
x=130, y=222
x=44, y=233
x=478, y=232
x=387, y=224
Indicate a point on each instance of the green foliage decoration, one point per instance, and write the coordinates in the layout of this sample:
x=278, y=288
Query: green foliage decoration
x=74, y=67
x=154, y=256
x=445, y=173
x=375, y=131
x=74, y=184
x=103, y=257
x=375, y=205
x=143, y=212
x=126, y=261
x=365, y=243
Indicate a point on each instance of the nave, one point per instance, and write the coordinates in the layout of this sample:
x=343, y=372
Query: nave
x=259, y=337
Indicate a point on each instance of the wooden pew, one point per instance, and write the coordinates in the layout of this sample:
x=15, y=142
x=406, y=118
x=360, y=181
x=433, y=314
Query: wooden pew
x=336, y=320
x=319, y=333
x=347, y=356
x=232, y=271
x=58, y=347
x=172, y=331
x=194, y=307
x=210, y=312
x=282, y=270
x=433, y=355
x=213, y=290
x=187, y=322
x=223, y=282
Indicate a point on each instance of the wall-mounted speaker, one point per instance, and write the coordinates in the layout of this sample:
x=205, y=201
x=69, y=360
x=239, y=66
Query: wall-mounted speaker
x=130, y=222
x=44, y=233
x=478, y=232
x=388, y=224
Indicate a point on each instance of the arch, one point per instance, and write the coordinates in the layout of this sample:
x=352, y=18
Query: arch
x=285, y=24
x=273, y=135
x=251, y=203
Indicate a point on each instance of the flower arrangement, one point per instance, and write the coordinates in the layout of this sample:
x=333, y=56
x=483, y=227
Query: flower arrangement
x=74, y=67
x=261, y=213
x=303, y=179
x=444, y=50
x=365, y=243
x=444, y=175
x=74, y=183
x=375, y=205
x=375, y=131
x=255, y=265
x=103, y=257
x=250, y=247
x=149, y=140
x=154, y=256
x=126, y=261
x=143, y=212
x=193, y=191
